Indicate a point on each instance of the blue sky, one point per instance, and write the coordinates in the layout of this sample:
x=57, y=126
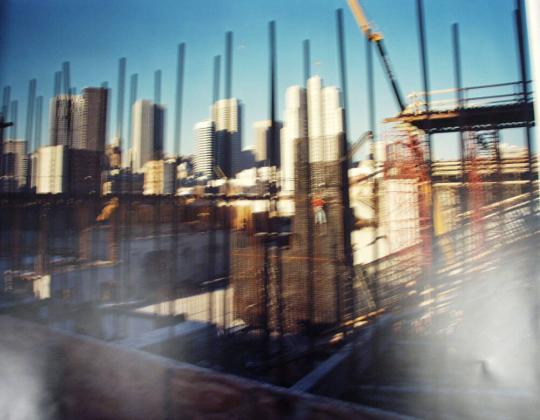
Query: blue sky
x=37, y=36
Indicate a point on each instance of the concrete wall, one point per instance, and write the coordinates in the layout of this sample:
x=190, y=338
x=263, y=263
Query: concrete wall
x=45, y=374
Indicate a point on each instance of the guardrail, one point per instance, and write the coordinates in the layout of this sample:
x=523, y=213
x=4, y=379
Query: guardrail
x=471, y=97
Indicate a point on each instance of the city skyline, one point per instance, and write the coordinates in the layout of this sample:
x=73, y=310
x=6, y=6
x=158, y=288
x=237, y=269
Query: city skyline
x=146, y=52
x=269, y=208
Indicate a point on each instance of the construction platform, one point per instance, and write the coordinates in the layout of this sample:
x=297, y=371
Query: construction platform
x=477, y=108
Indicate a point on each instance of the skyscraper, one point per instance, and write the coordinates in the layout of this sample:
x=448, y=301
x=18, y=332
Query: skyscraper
x=79, y=121
x=315, y=112
x=95, y=124
x=294, y=127
x=325, y=120
x=15, y=162
x=205, y=139
x=262, y=139
x=147, y=131
x=67, y=118
x=227, y=117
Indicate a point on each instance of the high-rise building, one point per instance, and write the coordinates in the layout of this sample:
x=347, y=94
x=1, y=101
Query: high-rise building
x=51, y=170
x=148, y=122
x=315, y=112
x=95, y=124
x=227, y=117
x=205, y=140
x=294, y=127
x=79, y=121
x=325, y=120
x=15, y=162
x=263, y=139
x=67, y=119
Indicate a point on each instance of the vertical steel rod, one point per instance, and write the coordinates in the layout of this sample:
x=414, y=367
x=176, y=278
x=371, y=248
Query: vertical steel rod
x=14, y=117
x=133, y=82
x=179, y=97
x=307, y=61
x=6, y=99
x=120, y=100
x=272, y=146
x=157, y=87
x=520, y=33
x=217, y=71
x=38, y=122
x=458, y=82
x=30, y=107
x=228, y=64
x=426, y=87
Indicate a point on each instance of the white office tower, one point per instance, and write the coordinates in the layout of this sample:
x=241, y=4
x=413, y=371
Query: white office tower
x=15, y=161
x=227, y=117
x=263, y=140
x=315, y=126
x=261, y=129
x=51, y=170
x=205, y=140
x=147, y=133
x=332, y=123
x=325, y=121
x=67, y=118
x=294, y=127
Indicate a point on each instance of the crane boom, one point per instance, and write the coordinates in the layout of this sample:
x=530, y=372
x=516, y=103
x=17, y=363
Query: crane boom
x=360, y=17
x=377, y=39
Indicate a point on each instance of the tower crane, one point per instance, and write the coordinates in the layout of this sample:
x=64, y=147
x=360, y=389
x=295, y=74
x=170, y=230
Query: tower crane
x=377, y=39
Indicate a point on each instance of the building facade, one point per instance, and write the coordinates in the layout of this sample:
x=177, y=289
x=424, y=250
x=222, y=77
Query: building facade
x=148, y=123
x=227, y=117
x=205, y=155
x=66, y=121
x=51, y=170
x=294, y=127
x=79, y=121
x=159, y=177
x=95, y=124
x=15, y=164
x=263, y=140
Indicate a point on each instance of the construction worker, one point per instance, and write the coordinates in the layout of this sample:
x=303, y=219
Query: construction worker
x=318, y=208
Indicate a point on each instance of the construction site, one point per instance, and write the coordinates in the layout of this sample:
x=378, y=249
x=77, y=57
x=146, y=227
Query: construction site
x=402, y=286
